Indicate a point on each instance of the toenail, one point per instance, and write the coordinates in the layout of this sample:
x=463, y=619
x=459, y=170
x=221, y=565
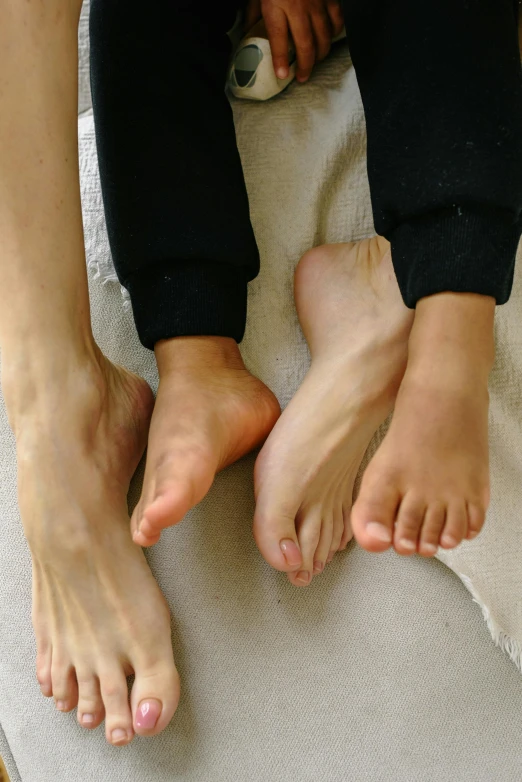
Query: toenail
x=303, y=577
x=291, y=552
x=147, y=714
x=472, y=534
x=318, y=567
x=379, y=532
x=119, y=736
x=429, y=548
x=448, y=540
x=87, y=719
x=60, y=705
x=408, y=544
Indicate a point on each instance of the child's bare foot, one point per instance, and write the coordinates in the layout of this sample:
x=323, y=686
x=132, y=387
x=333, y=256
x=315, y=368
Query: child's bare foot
x=210, y=411
x=428, y=483
x=98, y=613
x=357, y=328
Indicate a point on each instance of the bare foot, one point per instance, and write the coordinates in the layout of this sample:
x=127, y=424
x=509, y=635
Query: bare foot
x=428, y=484
x=98, y=613
x=357, y=328
x=210, y=411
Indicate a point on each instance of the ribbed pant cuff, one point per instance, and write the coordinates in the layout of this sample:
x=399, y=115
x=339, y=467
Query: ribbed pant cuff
x=459, y=249
x=180, y=299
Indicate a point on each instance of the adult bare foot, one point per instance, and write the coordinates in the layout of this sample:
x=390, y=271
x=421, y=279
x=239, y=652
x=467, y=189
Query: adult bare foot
x=428, y=484
x=210, y=411
x=98, y=613
x=357, y=328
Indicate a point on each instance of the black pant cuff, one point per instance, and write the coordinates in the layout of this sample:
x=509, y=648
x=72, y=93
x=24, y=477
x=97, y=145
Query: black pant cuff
x=192, y=298
x=462, y=249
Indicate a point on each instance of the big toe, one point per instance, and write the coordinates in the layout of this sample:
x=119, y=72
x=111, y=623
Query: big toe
x=274, y=524
x=276, y=539
x=155, y=697
x=170, y=490
x=373, y=515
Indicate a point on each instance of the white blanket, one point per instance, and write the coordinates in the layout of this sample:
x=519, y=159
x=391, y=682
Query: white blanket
x=382, y=670
x=304, y=159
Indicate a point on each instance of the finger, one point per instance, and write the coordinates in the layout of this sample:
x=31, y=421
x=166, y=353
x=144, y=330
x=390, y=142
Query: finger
x=335, y=12
x=322, y=28
x=277, y=29
x=252, y=15
x=302, y=33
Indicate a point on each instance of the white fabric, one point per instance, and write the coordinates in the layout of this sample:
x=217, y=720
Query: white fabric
x=383, y=669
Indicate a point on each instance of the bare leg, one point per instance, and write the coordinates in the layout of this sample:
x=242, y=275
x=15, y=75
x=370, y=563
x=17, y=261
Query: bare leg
x=80, y=422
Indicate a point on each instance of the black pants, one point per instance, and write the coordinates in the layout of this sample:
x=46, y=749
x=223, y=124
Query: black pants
x=442, y=91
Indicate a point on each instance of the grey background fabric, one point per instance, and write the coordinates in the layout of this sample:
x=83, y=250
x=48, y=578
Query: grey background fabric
x=383, y=669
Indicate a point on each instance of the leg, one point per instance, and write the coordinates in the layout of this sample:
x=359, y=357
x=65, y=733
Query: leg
x=445, y=168
x=181, y=238
x=80, y=423
x=447, y=192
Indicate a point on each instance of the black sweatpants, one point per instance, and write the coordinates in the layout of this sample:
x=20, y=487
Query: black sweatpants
x=441, y=84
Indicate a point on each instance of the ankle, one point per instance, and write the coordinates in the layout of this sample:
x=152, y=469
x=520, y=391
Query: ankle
x=197, y=354
x=39, y=385
x=453, y=334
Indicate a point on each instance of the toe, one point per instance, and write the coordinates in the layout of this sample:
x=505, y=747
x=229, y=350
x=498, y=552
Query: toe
x=90, y=711
x=338, y=529
x=476, y=519
x=180, y=481
x=118, y=718
x=434, y=520
x=155, y=696
x=65, y=687
x=373, y=515
x=323, y=547
x=347, y=526
x=43, y=669
x=275, y=533
x=144, y=540
x=408, y=525
x=456, y=526
x=309, y=524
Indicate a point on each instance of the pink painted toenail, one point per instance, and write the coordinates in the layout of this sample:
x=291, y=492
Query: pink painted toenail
x=119, y=736
x=318, y=567
x=60, y=705
x=147, y=714
x=87, y=719
x=291, y=552
x=408, y=544
x=303, y=577
x=379, y=532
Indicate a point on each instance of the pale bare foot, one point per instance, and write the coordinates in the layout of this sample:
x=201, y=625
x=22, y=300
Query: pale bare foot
x=357, y=328
x=98, y=613
x=210, y=411
x=428, y=484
